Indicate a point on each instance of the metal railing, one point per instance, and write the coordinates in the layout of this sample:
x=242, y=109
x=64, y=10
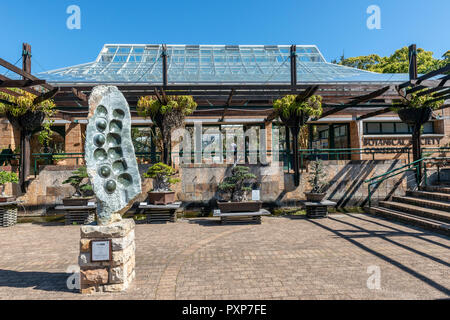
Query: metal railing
x=375, y=181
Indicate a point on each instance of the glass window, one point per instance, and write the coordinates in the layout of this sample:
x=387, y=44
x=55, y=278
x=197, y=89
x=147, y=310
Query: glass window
x=401, y=127
x=372, y=127
x=428, y=127
x=387, y=127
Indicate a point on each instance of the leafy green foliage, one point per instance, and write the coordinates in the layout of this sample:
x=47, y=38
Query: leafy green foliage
x=413, y=100
x=288, y=106
x=317, y=176
x=19, y=105
x=161, y=173
x=6, y=176
x=79, y=176
x=168, y=115
x=236, y=185
x=398, y=62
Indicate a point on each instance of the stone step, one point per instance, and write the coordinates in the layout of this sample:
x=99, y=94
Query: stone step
x=428, y=213
x=429, y=195
x=428, y=224
x=424, y=202
x=440, y=189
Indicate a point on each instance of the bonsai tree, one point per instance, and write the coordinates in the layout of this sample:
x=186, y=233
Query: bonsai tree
x=167, y=113
x=6, y=177
x=81, y=189
x=316, y=177
x=295, y=111
x=236, y=186
x=161, y=173
x=415, y=109
x=27, y=114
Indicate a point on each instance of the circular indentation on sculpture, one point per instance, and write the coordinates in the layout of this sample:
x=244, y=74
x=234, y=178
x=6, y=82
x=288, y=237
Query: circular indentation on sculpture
x=118, y=114
x=99, y=139
x=113, y=139
x=104, y=171
x=110, y=186
x=115, y=153
x=119, y=166
x=100, y=154
x=115, y=126
x=101, y=111
x=101, y=124
x=125, y=179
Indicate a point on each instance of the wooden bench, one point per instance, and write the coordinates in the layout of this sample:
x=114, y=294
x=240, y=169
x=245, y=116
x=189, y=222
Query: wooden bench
x=158, y=213
x=8, y=213
x=318, y=209
x=78, y=214
x=241, y=217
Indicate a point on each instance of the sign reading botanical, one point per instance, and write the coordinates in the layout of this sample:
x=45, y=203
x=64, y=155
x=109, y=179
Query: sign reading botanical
x=397, y=142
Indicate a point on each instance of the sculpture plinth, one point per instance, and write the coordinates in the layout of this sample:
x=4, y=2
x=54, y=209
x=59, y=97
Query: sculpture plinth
x=107, y=248
x=115, y=274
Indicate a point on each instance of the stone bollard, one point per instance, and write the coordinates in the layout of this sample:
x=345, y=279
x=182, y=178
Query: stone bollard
x=117, y=273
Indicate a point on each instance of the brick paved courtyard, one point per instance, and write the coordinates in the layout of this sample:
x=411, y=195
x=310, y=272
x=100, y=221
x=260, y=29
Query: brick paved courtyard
x=283, y=258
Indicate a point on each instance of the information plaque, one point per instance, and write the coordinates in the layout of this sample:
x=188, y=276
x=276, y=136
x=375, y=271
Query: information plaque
x=101, y=250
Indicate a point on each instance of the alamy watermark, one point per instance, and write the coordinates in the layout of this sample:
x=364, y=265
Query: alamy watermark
x=74, y=20
x=374, y=20
x=73, y=281
x=374, y=280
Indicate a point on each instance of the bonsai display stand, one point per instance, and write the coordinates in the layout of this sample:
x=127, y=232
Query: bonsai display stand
x=318, y=209
x=78, y=214
x=241, y=217
x=8, y=213
x=160, y=213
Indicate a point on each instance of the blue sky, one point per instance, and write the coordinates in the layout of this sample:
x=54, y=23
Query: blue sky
x=332, y=25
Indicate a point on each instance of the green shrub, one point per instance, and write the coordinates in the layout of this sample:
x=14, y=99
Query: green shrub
x=161, y=175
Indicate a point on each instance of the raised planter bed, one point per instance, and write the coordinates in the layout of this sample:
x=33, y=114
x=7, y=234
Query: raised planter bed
x=247, y=206
x=161, y=197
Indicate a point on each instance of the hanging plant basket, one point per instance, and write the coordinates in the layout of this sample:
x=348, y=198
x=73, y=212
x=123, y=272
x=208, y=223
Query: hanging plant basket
x=29, y=121
x=295, y=120
x=413, y=116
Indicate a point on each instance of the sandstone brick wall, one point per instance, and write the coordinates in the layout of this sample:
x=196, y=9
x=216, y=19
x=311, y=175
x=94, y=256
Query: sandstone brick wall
x=199, y=184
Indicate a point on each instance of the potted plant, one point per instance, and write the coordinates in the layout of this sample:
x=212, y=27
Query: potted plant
x=167, y=113
x=416, y=109
x=294, y=112
x=316, y=180
x=236, y=187
x=161, y=175
x=83, y=188
x=26, y=112
x=5, y=177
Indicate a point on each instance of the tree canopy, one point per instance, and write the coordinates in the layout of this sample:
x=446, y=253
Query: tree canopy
x=398, y=62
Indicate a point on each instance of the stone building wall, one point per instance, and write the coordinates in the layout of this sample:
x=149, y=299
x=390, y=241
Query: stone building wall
x=345, y=182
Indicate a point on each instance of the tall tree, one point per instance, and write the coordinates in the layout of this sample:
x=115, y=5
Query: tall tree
x=398, y=62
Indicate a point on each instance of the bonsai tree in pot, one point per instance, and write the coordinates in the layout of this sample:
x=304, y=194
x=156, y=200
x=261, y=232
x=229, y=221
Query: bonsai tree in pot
x=162, y=180
x=167, y=113
x=237, y=187
x=5, y=177
x=316, y=181
x=415, y=110
x=295, y=111
x=83, y=188
x=27, y=112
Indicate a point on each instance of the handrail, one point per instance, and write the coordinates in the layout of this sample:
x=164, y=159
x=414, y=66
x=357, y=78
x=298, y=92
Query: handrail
x=392, y=173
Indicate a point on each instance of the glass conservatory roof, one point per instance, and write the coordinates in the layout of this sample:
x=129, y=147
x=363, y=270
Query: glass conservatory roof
x=210, y=64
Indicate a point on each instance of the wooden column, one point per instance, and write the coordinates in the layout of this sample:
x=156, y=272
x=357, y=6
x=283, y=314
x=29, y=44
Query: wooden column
x=164, y=64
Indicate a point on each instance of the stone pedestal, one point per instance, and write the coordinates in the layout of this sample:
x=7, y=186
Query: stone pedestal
x=108, y=276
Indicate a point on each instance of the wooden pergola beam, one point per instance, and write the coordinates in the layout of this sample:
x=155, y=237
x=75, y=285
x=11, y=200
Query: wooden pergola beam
x=24, y=74
x=20, y=83
x=48, y=95
x=421, y=79
x=374, y=114
x=358, y=100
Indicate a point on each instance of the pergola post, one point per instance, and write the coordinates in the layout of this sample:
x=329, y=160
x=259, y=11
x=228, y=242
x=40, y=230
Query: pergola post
x=25, y=136
x=416, y=134
x=164, y=64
